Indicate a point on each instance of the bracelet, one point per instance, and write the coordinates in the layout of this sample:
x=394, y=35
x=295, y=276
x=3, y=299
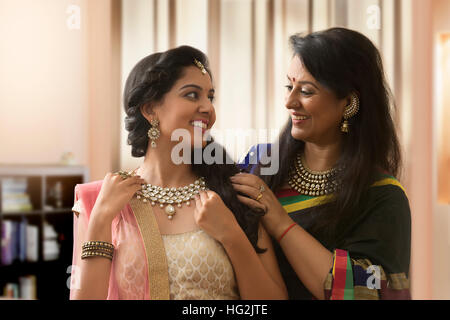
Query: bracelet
x=97, y=249
x=98, y=243
x=287, y=230
x=91, y=254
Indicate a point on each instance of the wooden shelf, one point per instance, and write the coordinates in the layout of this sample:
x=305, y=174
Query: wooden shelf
x=41, y=180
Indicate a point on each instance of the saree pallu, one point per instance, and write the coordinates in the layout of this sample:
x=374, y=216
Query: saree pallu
x=371, y=259
x=136, y=250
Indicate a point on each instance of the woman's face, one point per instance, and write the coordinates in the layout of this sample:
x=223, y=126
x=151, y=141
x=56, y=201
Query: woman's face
x=188, y=105
x=316, y=112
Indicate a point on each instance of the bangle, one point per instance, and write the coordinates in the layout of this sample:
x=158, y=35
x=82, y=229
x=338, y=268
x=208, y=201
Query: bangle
x=287, y=230
x=97, y=249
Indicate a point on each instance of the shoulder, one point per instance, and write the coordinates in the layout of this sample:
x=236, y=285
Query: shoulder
x=387, y=198
x=89, y=186
x=88, y=190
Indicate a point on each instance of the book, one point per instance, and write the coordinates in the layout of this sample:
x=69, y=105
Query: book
x=20, y=242
x=7, y=239
x=32, y=246
x=14, y=195
x=27, y=287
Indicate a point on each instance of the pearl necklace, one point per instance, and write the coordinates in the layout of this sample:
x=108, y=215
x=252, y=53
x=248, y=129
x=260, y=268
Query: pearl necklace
x=171, y=196
x=312, y=183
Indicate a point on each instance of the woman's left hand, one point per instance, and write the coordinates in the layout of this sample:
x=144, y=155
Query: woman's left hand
x=213, y=216
x=258, y=196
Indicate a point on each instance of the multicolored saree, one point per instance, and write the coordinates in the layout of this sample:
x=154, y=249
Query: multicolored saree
x=371, y=261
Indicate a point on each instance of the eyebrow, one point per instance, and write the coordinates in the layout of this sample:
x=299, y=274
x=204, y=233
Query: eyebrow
x=196, y=87
x=305, y=82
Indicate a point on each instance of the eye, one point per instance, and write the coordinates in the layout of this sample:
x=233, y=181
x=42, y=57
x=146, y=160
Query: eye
x=306, y=93
x=192, y=95
x=289, y=87
x=211, y=98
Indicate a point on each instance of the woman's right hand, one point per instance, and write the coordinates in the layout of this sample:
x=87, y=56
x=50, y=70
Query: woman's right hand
x=114, y=194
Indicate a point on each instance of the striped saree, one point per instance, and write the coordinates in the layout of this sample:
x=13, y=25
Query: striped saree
x=372, y=255
x=372, y=262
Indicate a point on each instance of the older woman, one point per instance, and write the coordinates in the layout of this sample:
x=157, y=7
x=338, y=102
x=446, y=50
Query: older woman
x=170, y=230
x=339, y=217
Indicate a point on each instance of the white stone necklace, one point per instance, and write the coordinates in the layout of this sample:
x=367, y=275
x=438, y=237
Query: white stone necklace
x=169, y=197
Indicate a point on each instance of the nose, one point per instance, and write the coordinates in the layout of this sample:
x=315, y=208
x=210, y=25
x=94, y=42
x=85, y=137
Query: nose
x=292, y=101
x=206, y=108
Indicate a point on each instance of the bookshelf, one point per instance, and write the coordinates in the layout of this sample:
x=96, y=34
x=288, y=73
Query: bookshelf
x=36, y=223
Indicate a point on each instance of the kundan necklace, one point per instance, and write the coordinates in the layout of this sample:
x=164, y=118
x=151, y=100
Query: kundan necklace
x=169, y=197
x=312, y=183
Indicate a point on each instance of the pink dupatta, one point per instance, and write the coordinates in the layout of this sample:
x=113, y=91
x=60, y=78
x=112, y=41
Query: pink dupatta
x=139, y=266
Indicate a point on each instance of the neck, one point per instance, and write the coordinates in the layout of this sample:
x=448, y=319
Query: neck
x=158, y=168
x=322, y=157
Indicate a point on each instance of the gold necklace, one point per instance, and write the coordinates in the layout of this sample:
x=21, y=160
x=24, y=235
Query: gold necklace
x=171, y=196
x=312, y=183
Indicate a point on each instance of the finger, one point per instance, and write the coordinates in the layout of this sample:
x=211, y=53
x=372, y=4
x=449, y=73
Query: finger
x=251, y=192
x=198, y=202
x=210, y=194
x=133, y=180
x=203, y=197
x=253, y=204
x=246, y=179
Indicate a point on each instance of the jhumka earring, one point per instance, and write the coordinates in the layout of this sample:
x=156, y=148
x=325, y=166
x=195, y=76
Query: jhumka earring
x=153, y=132
x=350, y=111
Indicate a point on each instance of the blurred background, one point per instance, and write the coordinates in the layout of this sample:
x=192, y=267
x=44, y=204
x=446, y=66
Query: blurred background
x=63, y=64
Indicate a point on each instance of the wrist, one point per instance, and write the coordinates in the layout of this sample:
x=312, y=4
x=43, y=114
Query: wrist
x=99, y=228
x=231, y=238
x=281, y=227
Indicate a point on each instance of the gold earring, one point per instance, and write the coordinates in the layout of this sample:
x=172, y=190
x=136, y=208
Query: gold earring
x=154, y=133
x=350, y=111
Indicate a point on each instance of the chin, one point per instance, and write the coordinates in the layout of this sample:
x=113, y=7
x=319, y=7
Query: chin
x=299, y=135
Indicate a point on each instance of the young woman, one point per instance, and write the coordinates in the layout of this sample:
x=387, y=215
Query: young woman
x=170, y=230
x=340, y=218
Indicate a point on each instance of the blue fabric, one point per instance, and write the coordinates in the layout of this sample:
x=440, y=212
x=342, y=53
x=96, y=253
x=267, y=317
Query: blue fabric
x=251, y=159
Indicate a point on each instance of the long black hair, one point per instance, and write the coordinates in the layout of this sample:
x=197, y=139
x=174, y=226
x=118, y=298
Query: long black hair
x=148, y=82
x=345, y=62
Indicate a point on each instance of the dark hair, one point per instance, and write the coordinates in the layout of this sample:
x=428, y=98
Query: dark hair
x=148, y=82
x=345, y=61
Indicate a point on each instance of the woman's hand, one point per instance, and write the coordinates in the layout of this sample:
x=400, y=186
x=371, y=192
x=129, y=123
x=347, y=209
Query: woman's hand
x=213, y=216
x=115, y=193
x=258, y=196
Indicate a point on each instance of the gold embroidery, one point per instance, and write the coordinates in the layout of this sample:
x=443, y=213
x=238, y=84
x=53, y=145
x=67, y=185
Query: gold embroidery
x=158, y=275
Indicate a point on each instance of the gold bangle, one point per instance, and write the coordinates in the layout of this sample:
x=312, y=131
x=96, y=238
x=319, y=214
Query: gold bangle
x=90, y=254
x=98, y=243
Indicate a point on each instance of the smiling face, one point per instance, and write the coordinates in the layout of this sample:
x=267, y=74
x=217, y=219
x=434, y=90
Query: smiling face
x=188, y=105
x=316, y=112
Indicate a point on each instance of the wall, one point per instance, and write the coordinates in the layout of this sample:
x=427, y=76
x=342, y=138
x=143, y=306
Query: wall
x=43, y=96
x=441, y=119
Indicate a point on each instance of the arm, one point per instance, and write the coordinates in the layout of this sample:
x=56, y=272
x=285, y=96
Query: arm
x=310, y=260
x=257, y=275
x=308, y=257
x=93, y=273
